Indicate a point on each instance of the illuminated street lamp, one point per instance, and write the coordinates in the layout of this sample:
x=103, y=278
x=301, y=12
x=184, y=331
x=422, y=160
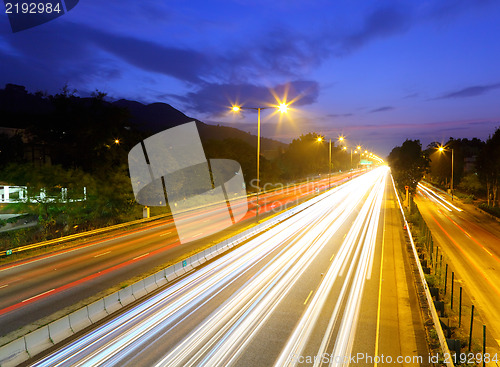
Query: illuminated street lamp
x=442, y=149
x=341, y=139
x=283, y=108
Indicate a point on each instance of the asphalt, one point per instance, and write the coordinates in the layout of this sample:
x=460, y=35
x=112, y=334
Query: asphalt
x=470, y=242
x=369, y=306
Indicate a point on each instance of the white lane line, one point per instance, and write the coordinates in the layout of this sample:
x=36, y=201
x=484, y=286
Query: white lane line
x=38, y=295
x=196, y=235
x=138, y=257
x=3, y=286
x=104, y=253
x=164, y=234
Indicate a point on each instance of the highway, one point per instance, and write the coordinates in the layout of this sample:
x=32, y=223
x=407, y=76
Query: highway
x=470, y=241
x=329, y=284
x=38, y=287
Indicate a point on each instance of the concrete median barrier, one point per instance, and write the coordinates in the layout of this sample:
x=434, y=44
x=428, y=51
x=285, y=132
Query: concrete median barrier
x=150, y=284
x=20, y=350
x=97, y=311
x=170, y=274
x=193, y=260
x=179, y=269
x=138, y=289
x=126, y=295
x=221, y=249
x=79, y=319
x=112, y=303
x=160, y=278
x=38, y=341
x=209, y=253
x=60, y=330
x=14, y=353
x=201, y=258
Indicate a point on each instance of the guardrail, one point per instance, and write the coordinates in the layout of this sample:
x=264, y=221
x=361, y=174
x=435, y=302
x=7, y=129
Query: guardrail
x=435, y=318
x=138, y=221
x=41, y=339
x=81, y=235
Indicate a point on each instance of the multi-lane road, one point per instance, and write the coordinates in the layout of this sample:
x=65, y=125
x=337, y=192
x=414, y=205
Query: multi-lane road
x=35, y=288
x=329, y=284
x=470, y=241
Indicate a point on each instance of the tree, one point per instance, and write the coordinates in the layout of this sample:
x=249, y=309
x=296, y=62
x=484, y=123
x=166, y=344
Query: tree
x=408, y=164
x=440, y=166
x=488, y=167
x=305, y=156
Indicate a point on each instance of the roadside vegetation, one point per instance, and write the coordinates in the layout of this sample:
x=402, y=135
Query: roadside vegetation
x=72, y=155
x=476, y=169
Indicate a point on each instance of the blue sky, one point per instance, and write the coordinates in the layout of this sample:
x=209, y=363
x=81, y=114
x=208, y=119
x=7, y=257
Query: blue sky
x=378, y=72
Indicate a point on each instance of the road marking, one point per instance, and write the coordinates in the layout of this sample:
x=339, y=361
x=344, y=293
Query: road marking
x=196, y=235
x=307, y=299
x=3, y=286
x=104, y=253
x=464, y=253
x=485, y=249
x=138, y=257
x=377, y=332
x=345, y=235
x=38, y=295
x=164, y=234
x=332, y=256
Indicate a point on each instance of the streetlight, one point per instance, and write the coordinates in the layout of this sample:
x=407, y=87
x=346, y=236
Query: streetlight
x=442, y=149
x=340, y=139
x=283, y=108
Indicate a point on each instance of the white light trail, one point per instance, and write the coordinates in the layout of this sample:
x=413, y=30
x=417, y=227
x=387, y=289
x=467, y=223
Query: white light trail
x=222, y=336
x=436, y=198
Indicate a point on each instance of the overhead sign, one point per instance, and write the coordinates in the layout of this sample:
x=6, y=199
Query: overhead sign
x=365, y=162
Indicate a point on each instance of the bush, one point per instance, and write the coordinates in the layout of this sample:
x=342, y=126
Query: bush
x=490, y=209
x=471, y=185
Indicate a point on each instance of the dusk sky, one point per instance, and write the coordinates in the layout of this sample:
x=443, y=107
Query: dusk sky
x=378, y=72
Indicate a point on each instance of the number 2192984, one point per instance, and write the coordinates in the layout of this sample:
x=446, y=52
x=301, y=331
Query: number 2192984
x=32, y=8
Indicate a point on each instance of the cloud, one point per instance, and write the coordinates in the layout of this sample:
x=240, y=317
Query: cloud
x=381, y=138
x=473, y=91
x=382, y=109
x=382, y=22
x=44, y=59
x=411, y=95
x=217, y=98
x=334, y=115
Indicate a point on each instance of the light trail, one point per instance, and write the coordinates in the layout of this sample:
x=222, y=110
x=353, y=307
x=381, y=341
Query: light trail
x=280, y=257
x=433, y=196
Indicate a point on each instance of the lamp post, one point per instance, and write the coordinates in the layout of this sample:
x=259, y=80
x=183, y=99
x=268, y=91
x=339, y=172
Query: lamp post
x=283, y=107
x=329, y=162
x=340, y=139
x=441, y=149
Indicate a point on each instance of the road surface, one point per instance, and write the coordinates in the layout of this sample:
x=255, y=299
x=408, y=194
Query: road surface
x=471, y=243
x=330, y=283
x=38, y=287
